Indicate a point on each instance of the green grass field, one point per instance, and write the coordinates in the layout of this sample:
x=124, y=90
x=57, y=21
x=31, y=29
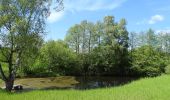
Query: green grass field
x=145, y=89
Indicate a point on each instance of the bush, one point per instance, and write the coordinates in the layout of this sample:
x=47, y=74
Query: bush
x=152, y=72
x=146, y=61
x=167, y=69
x=55, y=59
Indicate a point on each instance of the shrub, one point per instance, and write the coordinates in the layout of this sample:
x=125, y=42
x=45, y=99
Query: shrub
x=152, y=72
x=167, y=69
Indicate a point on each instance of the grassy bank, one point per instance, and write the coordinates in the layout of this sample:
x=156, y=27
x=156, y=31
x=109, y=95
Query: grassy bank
x=145, y=89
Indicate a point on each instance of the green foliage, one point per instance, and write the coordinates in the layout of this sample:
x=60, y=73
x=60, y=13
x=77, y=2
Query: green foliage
x=151, y=71
x=102, y=47
x=22, y=26
x=167, y=69
x=55, y=58
x=147, y=61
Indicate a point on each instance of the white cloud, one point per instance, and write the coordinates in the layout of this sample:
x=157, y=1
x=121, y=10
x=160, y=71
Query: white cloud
x=55, y=16
x=92, y=5
x=156, y=18
x=84, y=5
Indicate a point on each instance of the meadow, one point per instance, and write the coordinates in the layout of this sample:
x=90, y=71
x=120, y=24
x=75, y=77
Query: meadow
x=144, y=89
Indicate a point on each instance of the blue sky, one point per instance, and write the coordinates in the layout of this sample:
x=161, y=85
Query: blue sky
x=140, y=15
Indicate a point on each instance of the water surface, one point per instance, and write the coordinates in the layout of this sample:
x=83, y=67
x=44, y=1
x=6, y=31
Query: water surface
x=70, y=82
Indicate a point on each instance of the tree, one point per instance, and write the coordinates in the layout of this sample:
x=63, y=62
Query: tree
x=73, y=38
x=99, y=31
x=22, y=26
x=106, y=40
x=122, y=50
x=151, y=38
x=132, y=42
x=109, y=30
x=81, y=37
x=90, y=36
x=163, y=39
x=116, y=38
x=56, y=58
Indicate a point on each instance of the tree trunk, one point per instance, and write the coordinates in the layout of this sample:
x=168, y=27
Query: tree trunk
x=2, y=74
x=9, y=84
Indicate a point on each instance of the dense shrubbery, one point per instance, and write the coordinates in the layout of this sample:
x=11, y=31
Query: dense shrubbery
x=150, y=53
x=55, y=58
x=147, y=61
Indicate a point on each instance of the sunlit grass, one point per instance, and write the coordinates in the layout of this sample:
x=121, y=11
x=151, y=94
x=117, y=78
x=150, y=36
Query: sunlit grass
x=145, y=89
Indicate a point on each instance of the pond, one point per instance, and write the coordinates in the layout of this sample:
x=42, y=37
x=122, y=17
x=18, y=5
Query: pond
x=70, y=82
x=101, y=82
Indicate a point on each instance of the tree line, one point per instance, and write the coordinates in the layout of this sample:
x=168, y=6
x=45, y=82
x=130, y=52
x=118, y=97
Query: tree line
x=104, y=48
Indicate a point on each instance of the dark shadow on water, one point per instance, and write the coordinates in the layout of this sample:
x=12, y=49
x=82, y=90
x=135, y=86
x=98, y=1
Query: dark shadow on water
x=102, y=82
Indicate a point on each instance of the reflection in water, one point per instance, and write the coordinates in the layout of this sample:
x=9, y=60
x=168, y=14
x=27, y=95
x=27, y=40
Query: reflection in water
x=101, y=82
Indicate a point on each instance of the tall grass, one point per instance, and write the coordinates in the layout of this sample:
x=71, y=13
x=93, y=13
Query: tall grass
x=145, y=89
